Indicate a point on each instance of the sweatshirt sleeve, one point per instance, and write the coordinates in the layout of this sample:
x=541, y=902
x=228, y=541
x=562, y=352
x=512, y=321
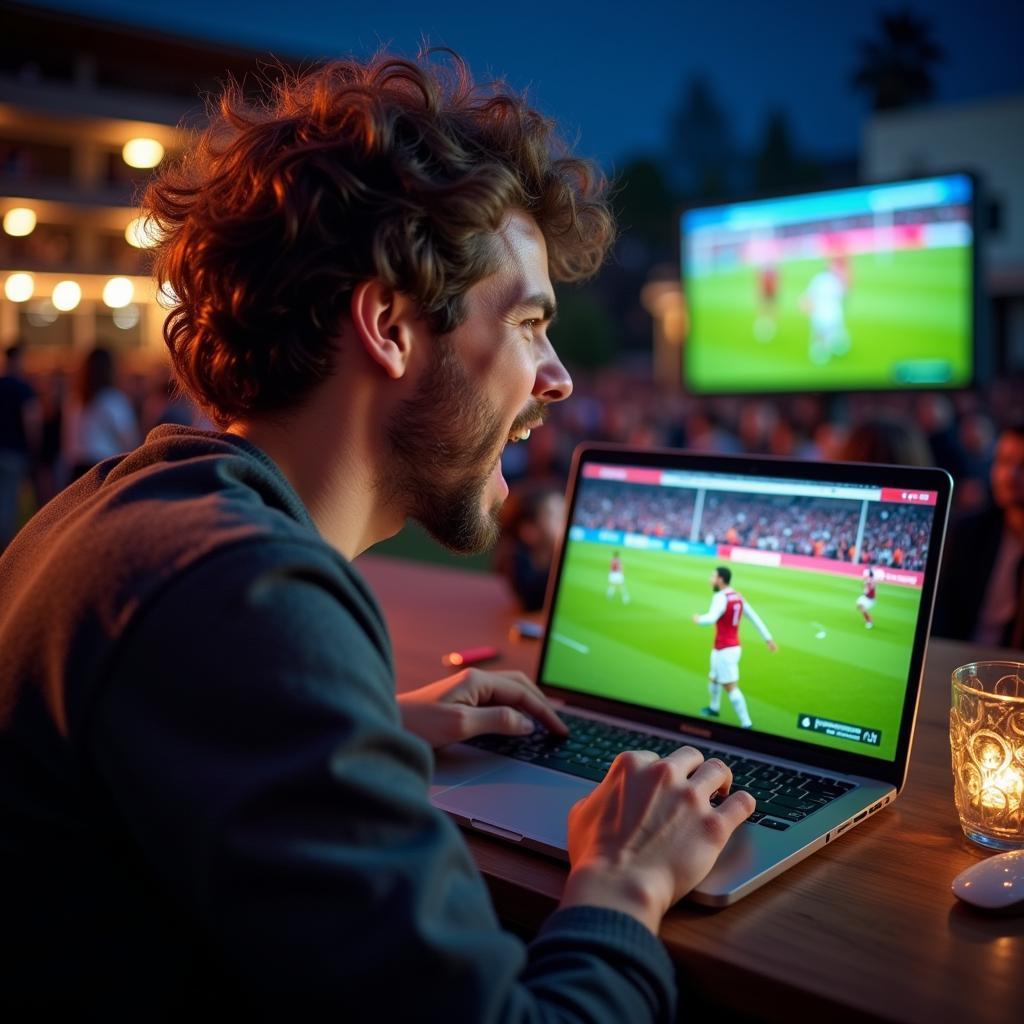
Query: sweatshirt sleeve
x=248, y=736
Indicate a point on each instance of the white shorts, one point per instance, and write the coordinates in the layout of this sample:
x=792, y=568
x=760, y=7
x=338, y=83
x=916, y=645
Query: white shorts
x=864, y=603
x=725, y=665
x=616, y=579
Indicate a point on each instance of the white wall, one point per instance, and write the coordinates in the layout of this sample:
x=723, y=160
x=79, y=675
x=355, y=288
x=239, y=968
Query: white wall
x=986, y=137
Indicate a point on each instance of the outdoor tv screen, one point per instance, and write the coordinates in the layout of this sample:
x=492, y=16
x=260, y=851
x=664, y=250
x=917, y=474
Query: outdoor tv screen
x=866, y=288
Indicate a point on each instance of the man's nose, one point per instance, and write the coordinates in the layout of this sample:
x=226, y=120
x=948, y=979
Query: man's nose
x=553, y=383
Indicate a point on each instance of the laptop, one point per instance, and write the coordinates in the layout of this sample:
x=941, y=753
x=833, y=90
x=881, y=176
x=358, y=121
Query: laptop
x=812, y=585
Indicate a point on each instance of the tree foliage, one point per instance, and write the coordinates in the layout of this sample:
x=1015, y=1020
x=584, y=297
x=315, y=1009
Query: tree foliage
x=701, y=150
x=584, y=334
x=895, y=68
x=644, y=204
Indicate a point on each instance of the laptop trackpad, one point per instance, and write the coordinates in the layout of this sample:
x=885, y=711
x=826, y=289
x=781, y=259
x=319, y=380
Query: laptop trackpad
x=518, y=799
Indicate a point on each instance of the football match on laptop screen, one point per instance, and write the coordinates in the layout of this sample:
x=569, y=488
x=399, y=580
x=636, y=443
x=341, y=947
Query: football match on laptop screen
x=787, y=607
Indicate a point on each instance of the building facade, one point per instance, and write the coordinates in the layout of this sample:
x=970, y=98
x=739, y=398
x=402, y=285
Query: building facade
x=87, y=109
x=986, y=138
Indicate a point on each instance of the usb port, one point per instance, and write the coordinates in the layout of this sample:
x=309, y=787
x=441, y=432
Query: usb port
x=875, y=808
x=863, y=814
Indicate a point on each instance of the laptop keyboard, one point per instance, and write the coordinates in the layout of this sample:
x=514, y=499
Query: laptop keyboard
x=783, y=795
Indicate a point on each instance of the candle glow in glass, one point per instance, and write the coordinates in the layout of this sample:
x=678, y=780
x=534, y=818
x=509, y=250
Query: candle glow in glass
x=986, y=735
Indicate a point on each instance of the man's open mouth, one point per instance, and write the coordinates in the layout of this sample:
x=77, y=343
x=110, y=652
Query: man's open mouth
x=522, y=433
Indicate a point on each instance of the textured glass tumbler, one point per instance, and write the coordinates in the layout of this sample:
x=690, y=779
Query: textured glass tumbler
x=986, y=737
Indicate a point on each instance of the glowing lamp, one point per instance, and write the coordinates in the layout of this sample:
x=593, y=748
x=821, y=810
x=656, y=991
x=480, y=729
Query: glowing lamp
x=118, y=292
x=142, y=153
x=66, y=296
x=126, y=318
x=986, y=735
x=20, y=221
x=141, y=233
x=19, y=287
x=166, y=296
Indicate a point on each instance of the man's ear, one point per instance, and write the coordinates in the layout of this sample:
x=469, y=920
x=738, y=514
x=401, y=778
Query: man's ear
x=385, y=322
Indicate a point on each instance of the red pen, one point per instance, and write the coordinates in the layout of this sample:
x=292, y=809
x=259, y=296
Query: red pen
x=470, y=656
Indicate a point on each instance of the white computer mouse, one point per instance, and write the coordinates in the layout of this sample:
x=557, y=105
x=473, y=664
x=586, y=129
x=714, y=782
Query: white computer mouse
x=996, y=883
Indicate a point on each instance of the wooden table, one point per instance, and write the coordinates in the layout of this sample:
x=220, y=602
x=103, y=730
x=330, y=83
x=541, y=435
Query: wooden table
x=866, y=928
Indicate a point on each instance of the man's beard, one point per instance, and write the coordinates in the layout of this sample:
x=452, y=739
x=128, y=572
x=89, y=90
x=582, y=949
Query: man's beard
x=443, y=442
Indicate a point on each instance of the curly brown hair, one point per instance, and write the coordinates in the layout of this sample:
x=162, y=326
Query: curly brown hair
x=389, y=168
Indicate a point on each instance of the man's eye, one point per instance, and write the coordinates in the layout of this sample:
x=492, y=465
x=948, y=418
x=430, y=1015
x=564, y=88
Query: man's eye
x=530, y=324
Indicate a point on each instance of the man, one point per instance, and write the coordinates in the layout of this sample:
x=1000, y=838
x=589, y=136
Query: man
x=981, y=586
x=617, y=579
x=209, y=788
x=866, y=601
x=20, y=423
x=726, y=612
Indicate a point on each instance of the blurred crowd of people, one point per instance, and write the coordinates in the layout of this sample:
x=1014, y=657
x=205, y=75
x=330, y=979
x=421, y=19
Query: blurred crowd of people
x=894, y=535
x=956, y=431
x=638, y=509
x=55, y=425
x=977, y=435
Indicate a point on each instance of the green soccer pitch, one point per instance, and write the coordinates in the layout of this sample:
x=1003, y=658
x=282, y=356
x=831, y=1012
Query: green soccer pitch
x=851, y=674
x=909, y=305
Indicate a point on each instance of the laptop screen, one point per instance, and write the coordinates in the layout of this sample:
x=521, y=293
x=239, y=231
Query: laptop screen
x=786, y=606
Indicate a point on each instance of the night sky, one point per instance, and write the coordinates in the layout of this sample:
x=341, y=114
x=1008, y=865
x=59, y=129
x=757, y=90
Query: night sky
x=612, y=72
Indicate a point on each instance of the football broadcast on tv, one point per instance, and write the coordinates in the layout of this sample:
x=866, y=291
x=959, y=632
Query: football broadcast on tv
x=858, y=288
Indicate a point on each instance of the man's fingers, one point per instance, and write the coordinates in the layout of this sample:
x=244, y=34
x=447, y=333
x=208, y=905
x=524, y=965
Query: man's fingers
x=635, y=759
x=520, y=677
x=503, y=720
x=688, y=757
x=516, y=693
x=736, y=808
x=713, y=776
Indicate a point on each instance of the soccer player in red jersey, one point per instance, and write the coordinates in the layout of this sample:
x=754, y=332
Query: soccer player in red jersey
x=866, y=601
x=727, y=609
x=767, y=296
x=617, y=579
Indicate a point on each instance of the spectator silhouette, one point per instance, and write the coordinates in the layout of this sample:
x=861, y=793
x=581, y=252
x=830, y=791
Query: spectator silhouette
x=51, y=470
x=101, y=421
x=19, y=439
x=531, y=527
x=886, y=440
x=981, y=587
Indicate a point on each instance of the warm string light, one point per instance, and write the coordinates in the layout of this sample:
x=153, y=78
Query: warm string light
x=19, y=287
x=141, y=233
x=142, y=153
x=20, y=221
x=118, y=292
x=66, y=296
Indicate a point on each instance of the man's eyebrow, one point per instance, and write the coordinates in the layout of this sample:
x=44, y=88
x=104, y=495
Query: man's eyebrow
x=539, y=300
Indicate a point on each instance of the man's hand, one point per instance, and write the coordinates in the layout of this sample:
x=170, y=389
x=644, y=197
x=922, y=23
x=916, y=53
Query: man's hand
x=474, y=702
x=648, y=833
x=772, y=646
x=696, y=618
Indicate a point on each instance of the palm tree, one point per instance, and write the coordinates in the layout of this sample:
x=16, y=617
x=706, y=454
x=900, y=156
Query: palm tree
x=895, y=67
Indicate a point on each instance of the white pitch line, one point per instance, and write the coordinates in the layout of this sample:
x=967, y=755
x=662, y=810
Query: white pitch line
x=574, y=644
